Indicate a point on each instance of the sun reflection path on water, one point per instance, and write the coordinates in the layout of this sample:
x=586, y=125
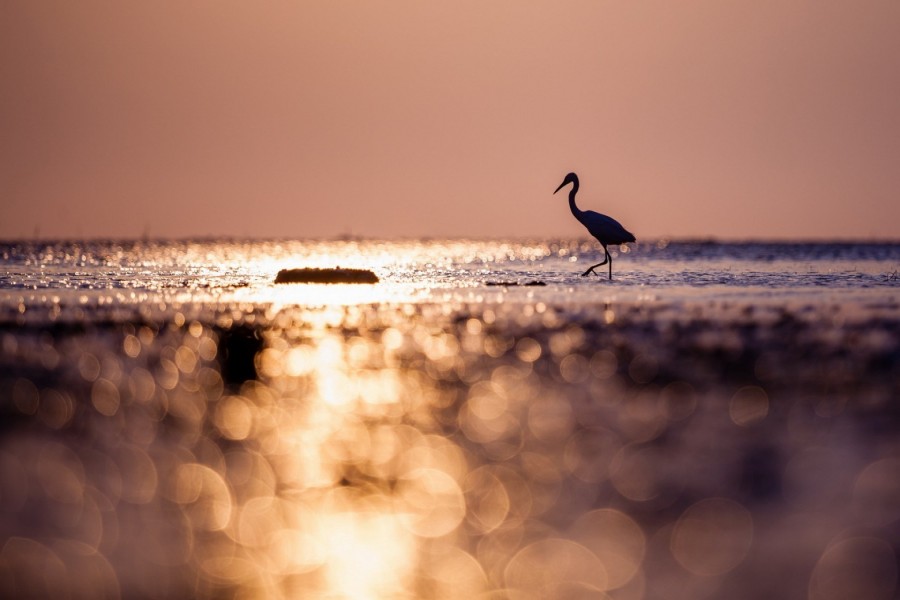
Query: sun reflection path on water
x=422, y=488
x=422, y=271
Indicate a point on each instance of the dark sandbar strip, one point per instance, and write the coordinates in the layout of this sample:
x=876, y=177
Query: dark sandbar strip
x=337, y=275
x=514, y=283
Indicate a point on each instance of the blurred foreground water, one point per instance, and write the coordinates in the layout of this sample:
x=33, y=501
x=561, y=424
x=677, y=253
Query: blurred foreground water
x=719, y=421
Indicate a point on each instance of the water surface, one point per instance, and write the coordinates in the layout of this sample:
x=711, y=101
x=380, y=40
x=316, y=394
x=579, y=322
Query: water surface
x=720, y=420
x=439, y=270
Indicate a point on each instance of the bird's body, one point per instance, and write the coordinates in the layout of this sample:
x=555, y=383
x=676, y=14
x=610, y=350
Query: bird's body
x=606, y=229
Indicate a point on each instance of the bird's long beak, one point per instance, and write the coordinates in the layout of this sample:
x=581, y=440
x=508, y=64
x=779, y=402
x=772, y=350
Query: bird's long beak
x=560, y=186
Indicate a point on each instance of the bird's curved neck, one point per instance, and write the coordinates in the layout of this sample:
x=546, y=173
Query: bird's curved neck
x=572, y=206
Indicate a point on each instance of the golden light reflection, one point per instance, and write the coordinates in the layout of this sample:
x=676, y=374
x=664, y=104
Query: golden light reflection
x=411, y=451
x=617, y=541
x=749, y=405
x=855, y=567
x=369, y=554
x=547, y=568
x=712, y=537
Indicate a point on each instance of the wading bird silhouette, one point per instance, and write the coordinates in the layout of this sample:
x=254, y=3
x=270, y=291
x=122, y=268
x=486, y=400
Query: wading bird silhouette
x=606, y=229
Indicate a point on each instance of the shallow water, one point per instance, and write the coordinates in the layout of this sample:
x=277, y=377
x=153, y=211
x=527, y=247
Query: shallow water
x=456, y=270
x=720, y=420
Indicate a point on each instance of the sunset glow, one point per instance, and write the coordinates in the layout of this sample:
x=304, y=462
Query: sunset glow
x=731, y=120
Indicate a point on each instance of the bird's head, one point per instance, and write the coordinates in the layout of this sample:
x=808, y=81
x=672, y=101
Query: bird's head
x=570, y=178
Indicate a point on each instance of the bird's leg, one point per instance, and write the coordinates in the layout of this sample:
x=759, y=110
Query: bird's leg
x=609, y=256
x=599, y=264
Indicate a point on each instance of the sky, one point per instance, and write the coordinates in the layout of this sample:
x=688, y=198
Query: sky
x=733, y=120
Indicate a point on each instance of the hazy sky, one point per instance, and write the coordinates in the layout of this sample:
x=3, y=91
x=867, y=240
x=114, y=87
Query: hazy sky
x=729, y=119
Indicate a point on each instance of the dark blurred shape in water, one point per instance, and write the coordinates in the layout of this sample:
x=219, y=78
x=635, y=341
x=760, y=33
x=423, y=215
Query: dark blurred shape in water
x=760, y=474
x=238, y=347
